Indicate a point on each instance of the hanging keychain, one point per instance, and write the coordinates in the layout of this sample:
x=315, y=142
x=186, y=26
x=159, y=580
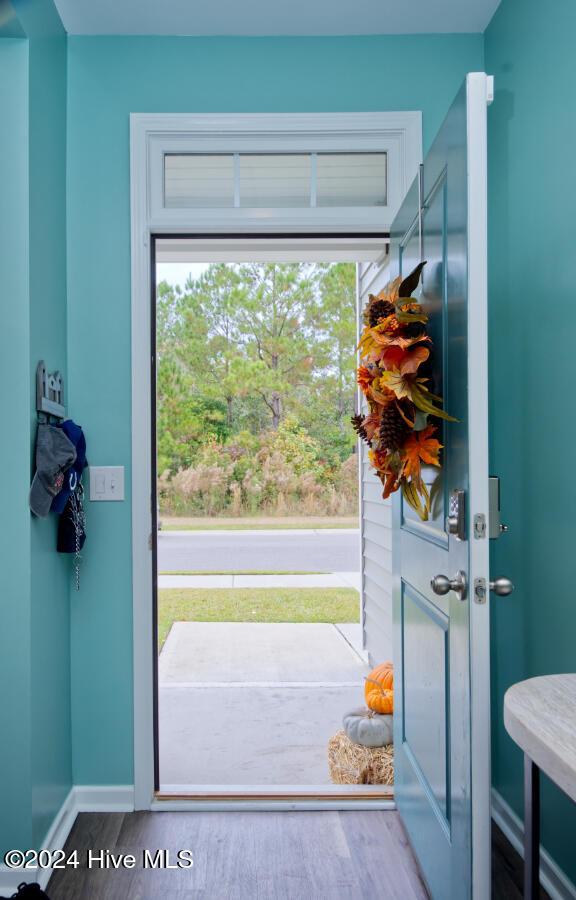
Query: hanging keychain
x=79, y=524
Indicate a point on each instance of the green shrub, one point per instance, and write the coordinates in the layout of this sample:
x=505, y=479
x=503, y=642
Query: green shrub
x=279, y=473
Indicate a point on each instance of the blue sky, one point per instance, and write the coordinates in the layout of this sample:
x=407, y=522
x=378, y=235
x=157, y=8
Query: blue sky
x=177, y=273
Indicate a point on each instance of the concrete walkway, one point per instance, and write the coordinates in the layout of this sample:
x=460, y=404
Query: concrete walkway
x=244, y=703
x=327, y=580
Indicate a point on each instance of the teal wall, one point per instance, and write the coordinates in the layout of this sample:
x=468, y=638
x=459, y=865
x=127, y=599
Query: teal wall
x=108, y=78
x=35, y=664
x=15, y=637
x=50, y=586
x=532, y=147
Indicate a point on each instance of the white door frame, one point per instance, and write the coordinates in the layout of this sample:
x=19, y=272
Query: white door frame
x=400, y=134
x=480, y=95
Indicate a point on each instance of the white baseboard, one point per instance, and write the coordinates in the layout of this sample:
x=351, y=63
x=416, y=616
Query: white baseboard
x=82, y=798
x=104, y=798
x=552, y=878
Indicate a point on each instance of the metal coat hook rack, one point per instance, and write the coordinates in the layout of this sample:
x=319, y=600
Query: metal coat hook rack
x=49, y=394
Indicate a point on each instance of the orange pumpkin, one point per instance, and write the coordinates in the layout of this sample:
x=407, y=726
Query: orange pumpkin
x=379, y=689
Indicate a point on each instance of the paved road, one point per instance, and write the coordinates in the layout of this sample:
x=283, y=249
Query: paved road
x=322, y=550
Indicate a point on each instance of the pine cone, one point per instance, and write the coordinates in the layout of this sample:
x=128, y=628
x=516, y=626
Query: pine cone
x=357, y=424
x=393, y=429
x=378, y=309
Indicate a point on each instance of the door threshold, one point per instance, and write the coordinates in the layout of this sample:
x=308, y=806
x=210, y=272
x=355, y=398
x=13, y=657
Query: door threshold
x=243, y=793
x=277, y=798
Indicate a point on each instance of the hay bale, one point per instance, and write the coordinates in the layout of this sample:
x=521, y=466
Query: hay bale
x=350, y=763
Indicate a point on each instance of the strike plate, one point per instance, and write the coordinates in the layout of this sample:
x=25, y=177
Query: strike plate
x=479, y=526
x=496, y=527
x=480, y=590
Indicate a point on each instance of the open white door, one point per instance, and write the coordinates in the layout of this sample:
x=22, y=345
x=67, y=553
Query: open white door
x=441, y=625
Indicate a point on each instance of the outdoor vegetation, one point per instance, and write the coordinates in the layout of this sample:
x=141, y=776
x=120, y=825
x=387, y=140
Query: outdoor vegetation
x=255, y=392
x=254, y=605
x=268, y=523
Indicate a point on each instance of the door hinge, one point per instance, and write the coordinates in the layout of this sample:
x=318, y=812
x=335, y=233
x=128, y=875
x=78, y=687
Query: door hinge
x=489, y=90
x=150, y=541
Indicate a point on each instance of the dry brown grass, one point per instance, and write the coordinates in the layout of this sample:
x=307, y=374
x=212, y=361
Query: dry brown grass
x=269, y=486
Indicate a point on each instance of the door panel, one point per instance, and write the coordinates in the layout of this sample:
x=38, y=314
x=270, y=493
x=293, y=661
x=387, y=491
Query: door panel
x=439, y=759
x=426, y=668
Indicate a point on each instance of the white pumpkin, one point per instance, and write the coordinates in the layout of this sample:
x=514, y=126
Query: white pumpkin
x=367, y=728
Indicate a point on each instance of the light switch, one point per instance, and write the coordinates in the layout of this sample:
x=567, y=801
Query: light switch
x=106, y=482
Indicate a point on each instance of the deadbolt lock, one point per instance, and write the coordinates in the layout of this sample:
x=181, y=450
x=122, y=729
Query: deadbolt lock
x=456, y=518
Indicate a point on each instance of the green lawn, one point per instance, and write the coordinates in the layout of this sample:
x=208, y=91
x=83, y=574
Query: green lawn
x=255, y=605
x=249, y=526
x=251, y=523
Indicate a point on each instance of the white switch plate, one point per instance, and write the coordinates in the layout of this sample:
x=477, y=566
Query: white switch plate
x=106, y=482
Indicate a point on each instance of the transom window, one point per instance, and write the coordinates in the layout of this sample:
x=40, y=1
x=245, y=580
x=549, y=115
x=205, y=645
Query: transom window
x=275, y=180
x=262, y=173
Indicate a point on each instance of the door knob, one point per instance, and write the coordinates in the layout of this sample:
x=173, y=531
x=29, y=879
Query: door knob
x=441, y=584
x=501, y=586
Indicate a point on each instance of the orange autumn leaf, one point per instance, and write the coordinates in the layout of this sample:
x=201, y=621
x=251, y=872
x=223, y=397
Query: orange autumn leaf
x=402, y=385
x=378, y=459
x=401, y=341
x=379, y=335
x=410, y=306
x=390, y=484
x=407, y=361
x=386, y=471
x=420, y=447
x=372, y=346
x=380, y=394
x=371, y=425
x=365, y=377
x=390, y=290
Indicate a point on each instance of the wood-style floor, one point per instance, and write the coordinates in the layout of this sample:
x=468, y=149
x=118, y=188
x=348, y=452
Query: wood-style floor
x=259, y=856
x=507, y=870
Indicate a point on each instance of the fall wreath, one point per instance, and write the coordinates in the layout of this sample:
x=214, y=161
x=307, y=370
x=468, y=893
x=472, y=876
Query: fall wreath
x=393, y=347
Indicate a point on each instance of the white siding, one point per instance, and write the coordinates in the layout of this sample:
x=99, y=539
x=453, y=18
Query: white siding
x=376, y=523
